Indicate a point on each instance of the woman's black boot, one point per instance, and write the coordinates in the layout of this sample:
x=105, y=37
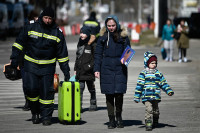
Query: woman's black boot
x=111, y=124
x=119, y=120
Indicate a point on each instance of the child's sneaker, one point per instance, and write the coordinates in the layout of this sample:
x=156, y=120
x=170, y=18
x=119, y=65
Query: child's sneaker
x=148, y=125
x=185, y=59
x=180, y=60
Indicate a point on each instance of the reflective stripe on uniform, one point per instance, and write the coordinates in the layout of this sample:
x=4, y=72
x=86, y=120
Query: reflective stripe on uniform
x=97, y=34
x=17, y=45
x=46, y=101
x=63, y=59
x=33, y=99
x=44, y=35
x=39, y=61
x=91, y=23
x=51, y=37
x=34, y=33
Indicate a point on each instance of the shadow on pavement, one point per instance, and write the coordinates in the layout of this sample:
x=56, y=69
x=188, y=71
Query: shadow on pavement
x=160, y=125
x=128, y=123
x=55, y=120
x=98, y=108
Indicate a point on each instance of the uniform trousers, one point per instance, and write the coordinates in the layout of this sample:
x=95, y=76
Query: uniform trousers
x=40, y=93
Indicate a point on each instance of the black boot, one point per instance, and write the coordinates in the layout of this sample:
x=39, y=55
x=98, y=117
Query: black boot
x=119, y=120
x=93, y=105
x=111, y=124
x=93, y=100
x=148, y=124
x=35, y=119
x=46, y=122
x=26, y=106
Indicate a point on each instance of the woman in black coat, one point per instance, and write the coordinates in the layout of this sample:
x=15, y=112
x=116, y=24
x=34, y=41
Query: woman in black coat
x=108, y=67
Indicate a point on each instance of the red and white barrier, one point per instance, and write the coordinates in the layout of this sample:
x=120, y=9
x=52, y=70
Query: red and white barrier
x=135, y=28
x=135, y=37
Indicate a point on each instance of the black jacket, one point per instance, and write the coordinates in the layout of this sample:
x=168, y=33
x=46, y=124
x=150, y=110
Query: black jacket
x=84, y=63
x=42, y=45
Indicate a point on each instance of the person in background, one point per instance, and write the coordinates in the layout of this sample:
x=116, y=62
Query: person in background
x=84, y=65
x=43, y=44
x=167, y=37
x=149, y=84
x=94, y=25
x=183, y=42
x=112, y=72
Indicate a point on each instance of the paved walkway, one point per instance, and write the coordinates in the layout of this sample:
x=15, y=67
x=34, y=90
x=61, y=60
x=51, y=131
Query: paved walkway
x=179, y=113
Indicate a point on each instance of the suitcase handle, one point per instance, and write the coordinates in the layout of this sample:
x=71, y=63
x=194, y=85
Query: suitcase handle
x=61, y=83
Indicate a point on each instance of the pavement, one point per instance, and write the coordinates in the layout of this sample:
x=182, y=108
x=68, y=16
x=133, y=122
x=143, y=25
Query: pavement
x=178, y=114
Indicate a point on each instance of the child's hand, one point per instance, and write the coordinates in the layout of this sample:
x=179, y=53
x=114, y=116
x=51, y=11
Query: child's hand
x=170, y=94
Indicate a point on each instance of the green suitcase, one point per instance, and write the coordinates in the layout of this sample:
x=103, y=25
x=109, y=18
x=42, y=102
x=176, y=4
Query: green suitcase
x=69, y=102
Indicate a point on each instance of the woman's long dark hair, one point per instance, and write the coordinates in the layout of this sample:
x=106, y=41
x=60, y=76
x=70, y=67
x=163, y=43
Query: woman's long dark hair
x=116, y=34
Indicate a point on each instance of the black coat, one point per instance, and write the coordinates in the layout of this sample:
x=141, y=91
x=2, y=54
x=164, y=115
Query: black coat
x=84, y=63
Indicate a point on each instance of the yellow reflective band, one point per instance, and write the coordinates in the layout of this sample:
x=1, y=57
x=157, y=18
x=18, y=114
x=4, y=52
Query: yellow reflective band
x=18, y=46
x=91, y=23
x=51, y=37
x=34, y=33
x=46, y=101
x=44, y=35
x=39, y=61
x=33, y=99
x=97, y=35
x=63, y=59
x=151, y=96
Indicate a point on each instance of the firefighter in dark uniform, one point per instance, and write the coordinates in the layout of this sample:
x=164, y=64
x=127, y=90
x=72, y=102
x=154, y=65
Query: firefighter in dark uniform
x=94, y=25
x=43, y=44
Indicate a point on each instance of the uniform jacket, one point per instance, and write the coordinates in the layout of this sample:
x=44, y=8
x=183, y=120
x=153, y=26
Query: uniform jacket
x=84, y=63
x=113, y=74
x=150, y=83
x=183, y=41
x=167, y=32
x=42, y=45
x=93, y=24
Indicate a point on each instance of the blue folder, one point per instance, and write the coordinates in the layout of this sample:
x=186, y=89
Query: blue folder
x=127, y=55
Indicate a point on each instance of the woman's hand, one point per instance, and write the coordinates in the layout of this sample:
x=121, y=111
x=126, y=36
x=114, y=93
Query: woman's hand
x=97, y=74
x=122, y=60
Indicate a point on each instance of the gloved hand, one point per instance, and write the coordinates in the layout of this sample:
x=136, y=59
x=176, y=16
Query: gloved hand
x=67, y=77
